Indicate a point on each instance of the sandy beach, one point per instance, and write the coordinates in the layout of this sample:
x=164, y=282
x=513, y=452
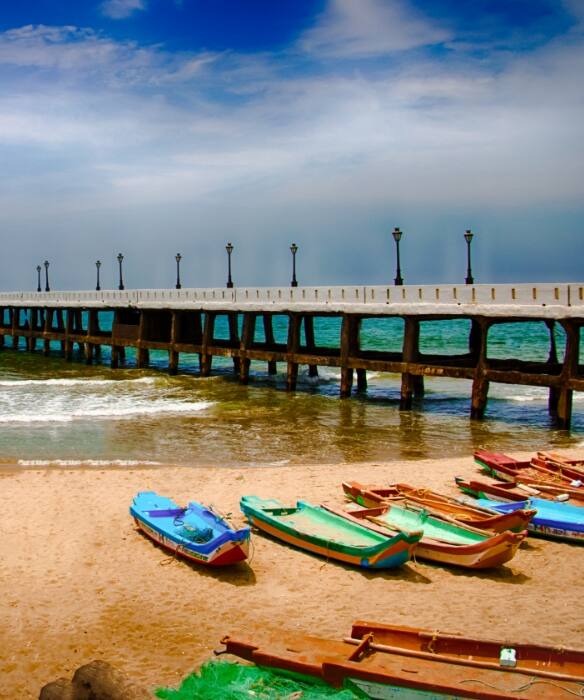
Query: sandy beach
x=79, y=582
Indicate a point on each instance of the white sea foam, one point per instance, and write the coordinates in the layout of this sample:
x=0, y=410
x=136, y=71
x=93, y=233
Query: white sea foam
x=119, y=411
x=86, y=462
x=74, y=382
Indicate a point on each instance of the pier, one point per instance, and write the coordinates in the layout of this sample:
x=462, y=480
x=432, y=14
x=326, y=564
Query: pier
x=184, y=321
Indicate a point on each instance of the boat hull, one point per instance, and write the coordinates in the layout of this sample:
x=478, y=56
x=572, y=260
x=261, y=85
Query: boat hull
x=439, y=505
x=195, y=532
x=295, y=527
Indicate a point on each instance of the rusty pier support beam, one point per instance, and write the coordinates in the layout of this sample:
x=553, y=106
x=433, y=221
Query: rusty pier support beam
x=293, y=346
x=554, y=392
x=310, y=346
x=247, y=336
x=232, y=319
x=206, y=358
x=15, y=322
x=480, y=383
x=142, y=353
x=569, y=371
x=175, y=327
x=69, y=329
x=269, y=334
x=410, y=353
x=349, y=348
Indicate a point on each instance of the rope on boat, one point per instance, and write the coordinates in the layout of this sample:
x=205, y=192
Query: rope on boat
x=529, y=684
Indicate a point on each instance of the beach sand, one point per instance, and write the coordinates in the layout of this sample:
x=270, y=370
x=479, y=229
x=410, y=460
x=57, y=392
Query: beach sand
x=79, y=582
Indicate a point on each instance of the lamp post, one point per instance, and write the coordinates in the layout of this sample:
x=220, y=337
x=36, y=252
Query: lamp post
x=178, y=258
x=46, y=264
x=397, y=234
x=97, y=266
x=120, y=261
x=294, y=250
x=229, y=249
x=38, y=278
x=468, y=238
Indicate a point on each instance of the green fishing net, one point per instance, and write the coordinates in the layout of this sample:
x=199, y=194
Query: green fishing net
x=223, y=680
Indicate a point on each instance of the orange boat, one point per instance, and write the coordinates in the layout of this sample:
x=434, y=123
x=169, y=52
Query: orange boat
x=437, y=504
x=424, y=660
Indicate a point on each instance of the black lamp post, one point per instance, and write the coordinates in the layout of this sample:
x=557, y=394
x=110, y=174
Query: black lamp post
x=97, y=266
x=178, y=258
x=229, y=249
x=46, y=264
x=38, y=278
x=294, y=250
x=468, y=238
x=397, y=234
x=120, y=261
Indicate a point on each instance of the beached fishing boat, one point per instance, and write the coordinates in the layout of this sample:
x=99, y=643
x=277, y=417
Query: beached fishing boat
x=430, y=664
x=195, y=532
x=506, y=468
x=437, y=504
x=442, y=542
x=321, y=532
x=554, y=519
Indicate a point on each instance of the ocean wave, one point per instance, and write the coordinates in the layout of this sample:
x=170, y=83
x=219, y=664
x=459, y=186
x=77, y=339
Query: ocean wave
x=113, y=413
x=86, y=462
x=73, y=382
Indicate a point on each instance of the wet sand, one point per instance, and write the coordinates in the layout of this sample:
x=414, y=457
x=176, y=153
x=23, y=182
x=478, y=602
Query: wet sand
x=79, y=582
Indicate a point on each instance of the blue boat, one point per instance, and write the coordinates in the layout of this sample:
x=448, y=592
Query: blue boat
x=194, y=532
x=553, y=519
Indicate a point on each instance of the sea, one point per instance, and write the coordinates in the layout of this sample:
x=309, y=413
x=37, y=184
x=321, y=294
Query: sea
x=69, y=414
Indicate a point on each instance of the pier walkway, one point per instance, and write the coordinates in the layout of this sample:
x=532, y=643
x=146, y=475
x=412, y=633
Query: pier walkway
x=184, y=320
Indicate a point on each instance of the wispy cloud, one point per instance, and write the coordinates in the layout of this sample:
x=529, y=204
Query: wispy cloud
x=369, y=28
x=120, y=9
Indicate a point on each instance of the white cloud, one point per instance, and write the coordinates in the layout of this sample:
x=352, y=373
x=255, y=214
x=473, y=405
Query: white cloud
x=120, y=9
x=363, y=28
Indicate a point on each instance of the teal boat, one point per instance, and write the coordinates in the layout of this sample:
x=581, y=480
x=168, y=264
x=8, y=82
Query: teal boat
x=317, y=530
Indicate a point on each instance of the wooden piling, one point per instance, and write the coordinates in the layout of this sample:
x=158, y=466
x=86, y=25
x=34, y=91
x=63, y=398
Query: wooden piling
x=292, y=348
x=206, y=358
x=410, y=354
x=269, y=334
x=480, y=384
x=310, y=346
x=569, y=373
x=247, y=336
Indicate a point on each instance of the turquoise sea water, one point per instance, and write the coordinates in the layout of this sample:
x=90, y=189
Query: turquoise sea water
x=52, y=411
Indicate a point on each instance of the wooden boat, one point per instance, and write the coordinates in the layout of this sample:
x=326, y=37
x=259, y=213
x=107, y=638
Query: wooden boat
x=553, y=519
x=506, y=468
x=442, y=542
x=329, y=535
x=194, y=532
x=423, y=661
x=437, y=504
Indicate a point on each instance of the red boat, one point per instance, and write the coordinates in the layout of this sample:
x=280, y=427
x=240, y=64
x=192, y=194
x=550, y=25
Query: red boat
x=508, y=469
x=425, y=660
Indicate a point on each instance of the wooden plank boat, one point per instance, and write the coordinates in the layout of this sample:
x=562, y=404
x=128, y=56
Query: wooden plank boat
x=422, y=660
x=553, y=519
x=506, y=468
x=442, y=542
x=532, y=659
x=329, y=535
x=437, y=504
x=194, y=532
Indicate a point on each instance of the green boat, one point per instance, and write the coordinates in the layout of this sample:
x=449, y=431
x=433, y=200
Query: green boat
x=442, y=541
x=317, y=530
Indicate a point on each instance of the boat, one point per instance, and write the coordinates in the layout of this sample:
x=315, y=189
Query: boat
x=194, y=532
x=506, y=468
x=316, y=530
x=553, y=519
x=426, y=662
x=442, y=542
x=437, y=504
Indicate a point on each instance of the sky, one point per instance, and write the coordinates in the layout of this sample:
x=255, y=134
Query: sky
x=153, y=127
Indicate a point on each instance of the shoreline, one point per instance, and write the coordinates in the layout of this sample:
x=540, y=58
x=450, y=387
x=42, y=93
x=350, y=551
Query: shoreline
x=81, y=583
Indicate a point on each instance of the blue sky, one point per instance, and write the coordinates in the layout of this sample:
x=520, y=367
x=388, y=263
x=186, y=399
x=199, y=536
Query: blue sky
x=157, y=126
